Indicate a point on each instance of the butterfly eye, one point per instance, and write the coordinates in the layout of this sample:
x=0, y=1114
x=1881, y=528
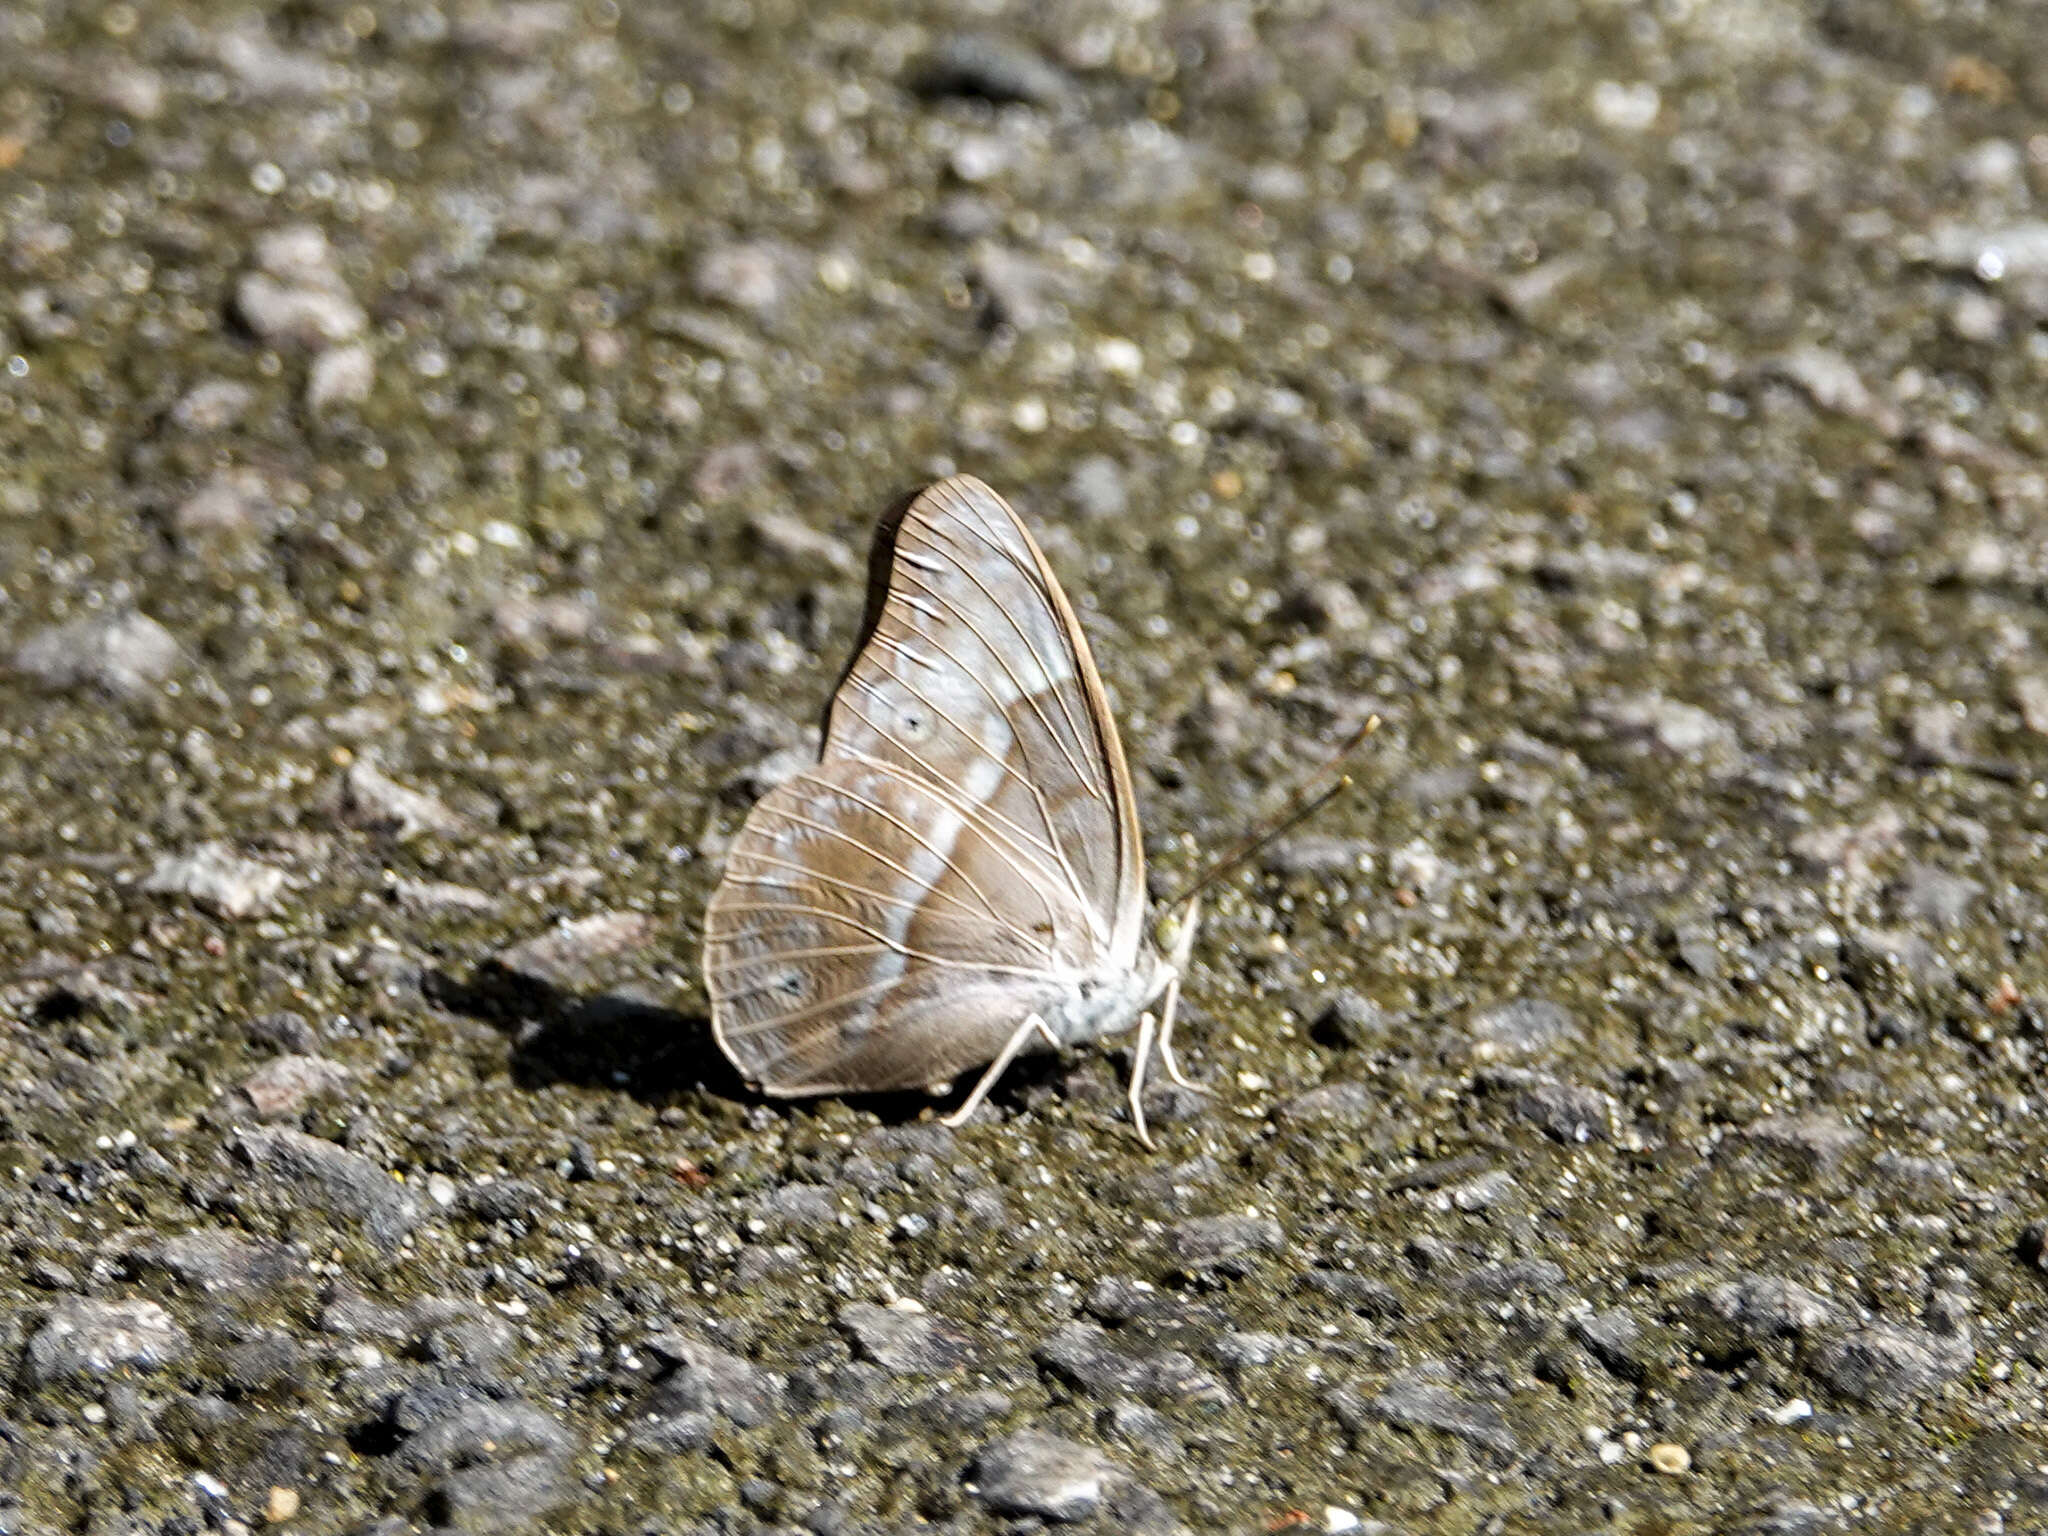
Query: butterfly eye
x=790, y=984
x=913, y=724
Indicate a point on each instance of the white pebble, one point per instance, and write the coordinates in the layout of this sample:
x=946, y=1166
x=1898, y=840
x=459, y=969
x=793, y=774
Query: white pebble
x=1794, y=1412
x=1120, y=356
x=1630, y=108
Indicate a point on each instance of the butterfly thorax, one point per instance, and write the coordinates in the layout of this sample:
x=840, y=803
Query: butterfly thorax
x=1109, y=1001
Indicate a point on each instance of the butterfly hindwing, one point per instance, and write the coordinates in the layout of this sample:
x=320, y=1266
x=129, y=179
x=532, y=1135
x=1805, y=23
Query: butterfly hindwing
x=855, y=947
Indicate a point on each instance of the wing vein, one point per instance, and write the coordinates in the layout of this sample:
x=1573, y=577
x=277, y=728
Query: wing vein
x=970, y=518
x=991, y=824
x=933, y=779
x=1030, y=697
x=847, y=919
x=942, y=855
x=854, y=888
x=800, y=1015
x=768, y=808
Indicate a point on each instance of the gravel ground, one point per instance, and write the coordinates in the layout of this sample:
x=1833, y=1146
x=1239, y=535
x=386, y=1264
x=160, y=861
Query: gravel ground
x=437, y=453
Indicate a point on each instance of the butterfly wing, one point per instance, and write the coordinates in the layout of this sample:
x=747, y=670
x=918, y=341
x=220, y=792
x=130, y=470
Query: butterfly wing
x=865, y=937
x=967, y=847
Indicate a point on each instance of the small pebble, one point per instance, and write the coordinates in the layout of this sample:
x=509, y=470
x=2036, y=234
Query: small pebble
x=341, y=376
x=123, y=653
x=1672, y=1460
x=219, y=879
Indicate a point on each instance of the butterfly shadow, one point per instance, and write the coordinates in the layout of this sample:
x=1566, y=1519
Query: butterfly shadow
x=591, y=1040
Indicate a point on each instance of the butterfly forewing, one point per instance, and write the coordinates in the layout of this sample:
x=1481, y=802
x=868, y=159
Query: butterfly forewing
x=967, y=845
x=975, y=674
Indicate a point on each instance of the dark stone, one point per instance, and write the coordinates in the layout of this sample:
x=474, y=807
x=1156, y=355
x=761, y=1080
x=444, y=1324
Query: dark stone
x=672, y=1435
x=1143, y=1426
x=459, y=1333
x=990, y=67
x=703, y=1378
x=307, y=1170
x=1352, y=1020
x=907, y=1343
x=1333, y=1104
x=1442, y=1171
x=1518, y=1277
x=1361, y=1293
x=1790, y=1517
x=84, y=1337
x=459, y=1429
x=263, y=1361
x=1932, y=1180
x=501, y=1200
x=801, y=1207
x=1413, y=1404
x=2033, y=1245
x=1889, y=1366
x=764, y=1261
x=1935, y=897
x=1318, y=857
x=221, y=1262
x=565, y=953
x=969, y=1410
x=1615, y=1339
x=1807, y=1144
x=1567, y=1112
x=487, y=1465
x=1223, y=1242
x=282, y=1086
x=1083, y=1355
x=284, y=1030
x=1117, y=1299
x=1134, y=1508
x=1758, y=1308
x=516, y=1494
x=350, y=1314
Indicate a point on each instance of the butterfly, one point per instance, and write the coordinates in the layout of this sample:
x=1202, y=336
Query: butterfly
x=960, y=877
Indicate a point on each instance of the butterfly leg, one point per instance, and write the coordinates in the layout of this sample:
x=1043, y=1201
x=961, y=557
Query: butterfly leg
x=1147, y=1027
x=1183, y=946
x=1004, y=1057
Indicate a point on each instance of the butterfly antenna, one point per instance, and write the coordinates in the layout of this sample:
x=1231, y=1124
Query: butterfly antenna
x=1307, y=797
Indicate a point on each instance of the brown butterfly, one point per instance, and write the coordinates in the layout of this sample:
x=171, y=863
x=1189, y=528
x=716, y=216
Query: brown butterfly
x=960, y=877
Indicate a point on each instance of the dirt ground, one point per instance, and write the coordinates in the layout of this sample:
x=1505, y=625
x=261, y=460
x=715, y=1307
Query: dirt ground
x=438, y=449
